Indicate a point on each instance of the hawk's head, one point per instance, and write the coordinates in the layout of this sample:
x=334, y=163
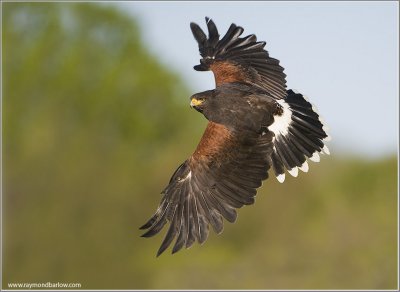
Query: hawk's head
x=199, y=101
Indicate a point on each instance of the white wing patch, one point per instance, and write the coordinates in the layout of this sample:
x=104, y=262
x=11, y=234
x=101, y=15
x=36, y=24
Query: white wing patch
x=326, y=150
x=304, y=167
x=281, y=123
x=315, y=157
x=281, y=178
x=294, y=172
x=327, y=138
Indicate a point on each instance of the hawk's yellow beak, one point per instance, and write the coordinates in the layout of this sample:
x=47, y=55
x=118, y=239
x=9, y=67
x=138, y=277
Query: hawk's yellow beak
x=196, y=102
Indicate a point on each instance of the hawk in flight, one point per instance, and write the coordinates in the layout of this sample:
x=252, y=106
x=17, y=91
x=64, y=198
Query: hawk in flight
x=255, y=124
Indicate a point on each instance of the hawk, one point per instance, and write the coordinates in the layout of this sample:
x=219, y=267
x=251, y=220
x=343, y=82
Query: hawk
x=255, y=124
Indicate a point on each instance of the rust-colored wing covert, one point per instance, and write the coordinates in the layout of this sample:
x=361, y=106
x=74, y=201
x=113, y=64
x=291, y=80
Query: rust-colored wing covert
x=238, y=59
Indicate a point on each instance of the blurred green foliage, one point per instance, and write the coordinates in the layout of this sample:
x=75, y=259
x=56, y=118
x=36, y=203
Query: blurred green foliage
x=94, y=126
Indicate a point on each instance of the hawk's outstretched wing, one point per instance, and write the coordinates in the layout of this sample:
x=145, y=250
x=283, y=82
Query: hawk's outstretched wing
x=221, y=175
x=238, y=59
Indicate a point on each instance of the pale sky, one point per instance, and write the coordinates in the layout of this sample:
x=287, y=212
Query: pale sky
x=342, y=55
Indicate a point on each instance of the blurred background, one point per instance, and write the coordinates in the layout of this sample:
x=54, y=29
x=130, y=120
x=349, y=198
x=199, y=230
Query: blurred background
x=96, y=119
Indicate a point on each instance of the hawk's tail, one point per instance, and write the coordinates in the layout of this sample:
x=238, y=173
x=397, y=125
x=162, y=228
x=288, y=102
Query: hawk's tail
x=299, y=134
